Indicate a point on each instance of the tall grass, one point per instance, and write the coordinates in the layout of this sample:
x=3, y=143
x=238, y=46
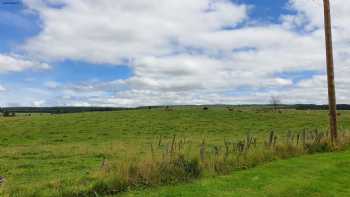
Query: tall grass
x=177, y=160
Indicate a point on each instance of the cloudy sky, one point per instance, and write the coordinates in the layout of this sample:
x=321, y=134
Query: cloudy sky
x=152, y=52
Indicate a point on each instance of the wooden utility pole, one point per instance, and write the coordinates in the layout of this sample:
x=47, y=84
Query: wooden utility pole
x=330, y=72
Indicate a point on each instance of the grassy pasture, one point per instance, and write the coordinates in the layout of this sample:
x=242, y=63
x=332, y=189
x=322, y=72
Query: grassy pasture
x=38, y=150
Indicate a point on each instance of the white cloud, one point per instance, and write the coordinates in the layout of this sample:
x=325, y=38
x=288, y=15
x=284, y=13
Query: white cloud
x=111, y=31
x=52, y=84
x=2, y=88
x=39, y=103
x=15, y=63
x=19, y=95
x=192, y=52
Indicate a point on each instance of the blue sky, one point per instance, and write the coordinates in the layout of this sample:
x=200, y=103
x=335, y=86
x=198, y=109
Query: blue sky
x=55, y=57
x=267, y=10
x=16, y=25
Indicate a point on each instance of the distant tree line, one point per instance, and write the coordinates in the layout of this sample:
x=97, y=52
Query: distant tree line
x=56, y=110
x=320, y=107
x=11, y=111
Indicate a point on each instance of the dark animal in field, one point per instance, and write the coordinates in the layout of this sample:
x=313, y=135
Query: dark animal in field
x=338, y=114
x=205, y=108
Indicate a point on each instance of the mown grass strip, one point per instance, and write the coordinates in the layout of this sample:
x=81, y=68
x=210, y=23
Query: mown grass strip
x=321, y=175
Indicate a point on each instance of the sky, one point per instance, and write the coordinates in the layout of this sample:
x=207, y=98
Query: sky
x=129, y=53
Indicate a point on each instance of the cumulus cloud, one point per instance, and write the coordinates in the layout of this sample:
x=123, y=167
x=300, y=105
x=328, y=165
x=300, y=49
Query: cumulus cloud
x=192, y=52
x=52, y=84
x=111, y=31
x=15, y=63
x=2, y=88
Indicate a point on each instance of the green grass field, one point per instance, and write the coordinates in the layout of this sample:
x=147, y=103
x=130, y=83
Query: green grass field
x=38, y=150
x=325, y=175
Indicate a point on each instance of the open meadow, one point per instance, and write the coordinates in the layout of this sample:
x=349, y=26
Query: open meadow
x=204, y=98
x=42, y=153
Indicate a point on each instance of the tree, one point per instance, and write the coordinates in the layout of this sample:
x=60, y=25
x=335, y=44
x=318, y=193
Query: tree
x=6, y=113
x=275, y=101
x=330, y=72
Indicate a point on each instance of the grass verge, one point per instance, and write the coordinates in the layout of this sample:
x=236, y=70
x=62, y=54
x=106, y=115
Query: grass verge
x=173, y=162
x=319, y=175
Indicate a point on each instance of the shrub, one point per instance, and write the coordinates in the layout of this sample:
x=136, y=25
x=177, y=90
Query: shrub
x=6, y=113
x=108, y=187
x=318, y=147
x=143, y=174
x=285, y=151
